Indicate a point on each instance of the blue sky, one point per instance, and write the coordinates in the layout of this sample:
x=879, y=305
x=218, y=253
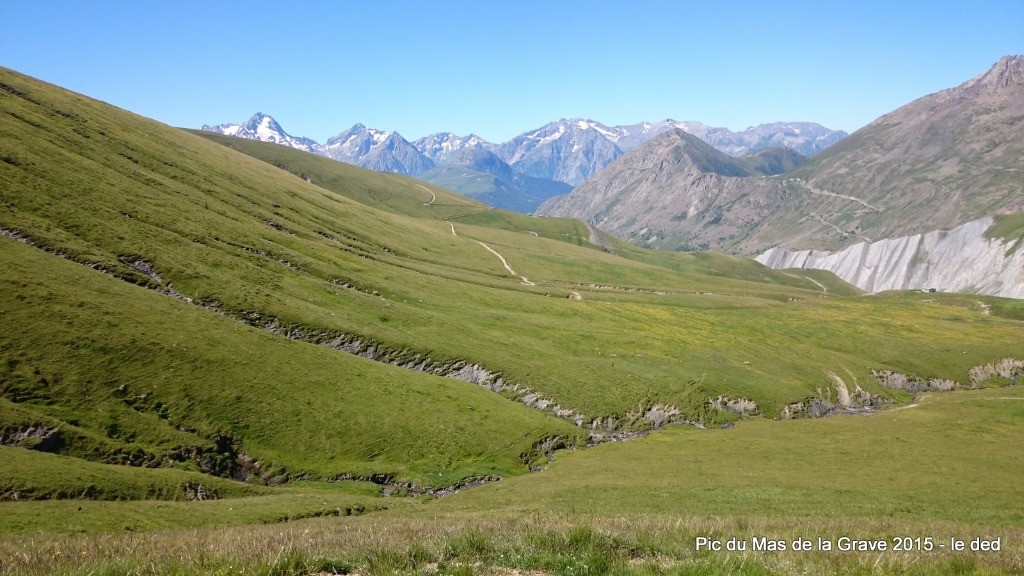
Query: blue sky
x=498, y=69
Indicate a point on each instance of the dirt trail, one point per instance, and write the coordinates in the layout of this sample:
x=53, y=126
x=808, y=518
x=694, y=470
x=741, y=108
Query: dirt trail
x=503, y=262
x=500, y=257
x=820, y=285
x=523, y=279
x=433, y=197
x=814, y=190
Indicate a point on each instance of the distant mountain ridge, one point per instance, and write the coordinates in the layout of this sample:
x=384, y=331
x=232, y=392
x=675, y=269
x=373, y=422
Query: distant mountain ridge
x=573, y=150
x=480, y=174
x=567, y=150
x=440, y=146
x=934, y=165
x=377, y=150
x=263, y=127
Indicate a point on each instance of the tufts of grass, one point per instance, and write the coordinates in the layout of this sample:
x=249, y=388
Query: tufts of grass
x=552, y=544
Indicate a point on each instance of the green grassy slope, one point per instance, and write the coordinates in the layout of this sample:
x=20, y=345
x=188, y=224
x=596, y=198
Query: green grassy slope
x=170, y=379
x=399, y=194
x=32, y=475
x=946, y=467
x=947, y=457
x=393, y=192
x=224, y=228
x=51, y=517
x=1009, y=228
x=563, y=229
x=140, y=212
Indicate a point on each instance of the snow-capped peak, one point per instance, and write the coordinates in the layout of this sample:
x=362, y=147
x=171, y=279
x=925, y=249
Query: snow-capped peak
x=442, y=145
x=263, y=127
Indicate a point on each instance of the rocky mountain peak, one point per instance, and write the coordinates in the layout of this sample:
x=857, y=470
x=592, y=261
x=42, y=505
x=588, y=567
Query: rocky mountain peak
x=1006, y=75
x=264, y=121
x=263, y=127
x=442, y=145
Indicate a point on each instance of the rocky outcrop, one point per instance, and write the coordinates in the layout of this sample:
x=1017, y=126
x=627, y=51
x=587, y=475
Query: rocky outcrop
x=958, y=260
x=36, y=437
x=838, y=400
x=897, y=381
x=741, y=406
x=1009, y=371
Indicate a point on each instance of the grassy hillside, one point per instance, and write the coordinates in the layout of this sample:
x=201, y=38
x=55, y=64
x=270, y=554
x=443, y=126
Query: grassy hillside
x=177, y=383
x=257, y=243
x=394, y=192
x=400, y=194
x=182, y=313
x=866, y=466
x=943, y=468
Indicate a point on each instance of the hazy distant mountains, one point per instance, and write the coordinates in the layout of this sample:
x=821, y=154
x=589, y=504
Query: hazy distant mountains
x=479, y=173
x=523, y=172
x=377, y=150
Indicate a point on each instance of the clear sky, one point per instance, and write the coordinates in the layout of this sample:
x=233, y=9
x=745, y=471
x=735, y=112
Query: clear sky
x=502, y=68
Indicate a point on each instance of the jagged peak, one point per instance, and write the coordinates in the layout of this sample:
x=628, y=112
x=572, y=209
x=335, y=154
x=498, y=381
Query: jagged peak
x=360, y=128
x=260, y=118
x=1008, y=72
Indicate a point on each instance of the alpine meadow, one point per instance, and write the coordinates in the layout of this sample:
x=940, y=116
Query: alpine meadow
x=222, y=355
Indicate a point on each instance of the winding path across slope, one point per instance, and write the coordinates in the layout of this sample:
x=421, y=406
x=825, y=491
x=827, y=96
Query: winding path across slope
x=500, y=257
x=433, y=197
x=503, y=262
x=820, y=285
x=814, y=190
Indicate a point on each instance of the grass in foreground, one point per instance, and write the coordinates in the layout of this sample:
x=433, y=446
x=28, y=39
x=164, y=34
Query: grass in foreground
x=504, y=545
x=950, y=457
x=945, y=469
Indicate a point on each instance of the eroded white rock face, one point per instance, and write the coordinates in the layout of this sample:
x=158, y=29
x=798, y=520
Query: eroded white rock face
x=958, y=260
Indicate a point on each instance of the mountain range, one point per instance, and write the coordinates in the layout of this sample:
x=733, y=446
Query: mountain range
x=937, y=163
x=523, y=172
